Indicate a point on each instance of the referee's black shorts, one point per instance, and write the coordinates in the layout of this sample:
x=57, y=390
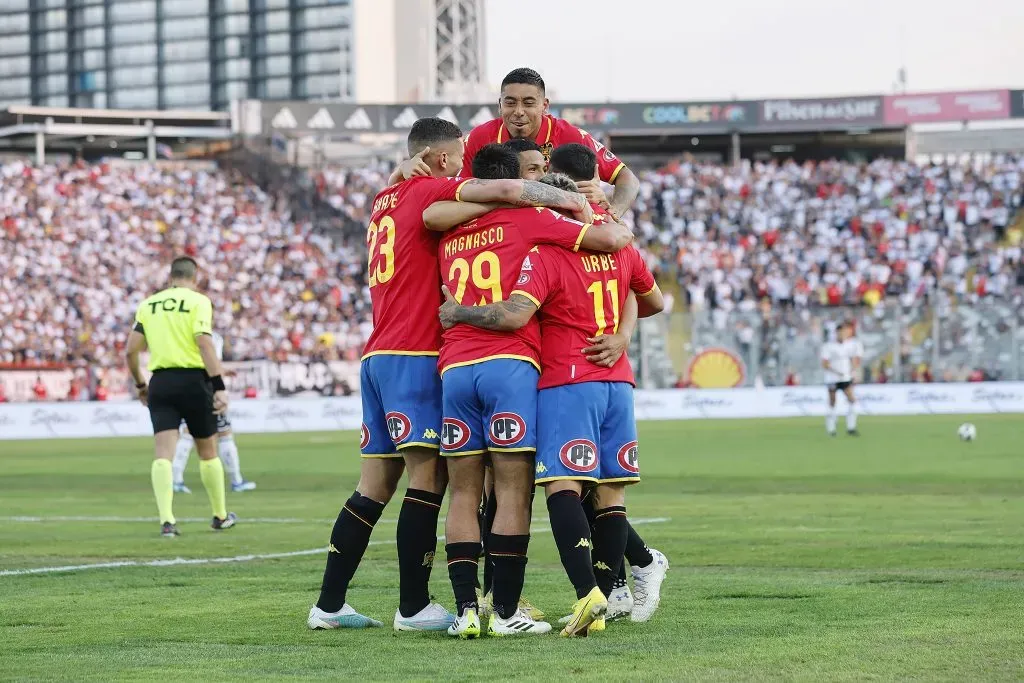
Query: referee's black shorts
x=182, y=394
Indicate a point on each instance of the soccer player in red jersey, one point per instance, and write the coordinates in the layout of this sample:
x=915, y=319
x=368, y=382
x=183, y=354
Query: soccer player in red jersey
x=489, y=389
x=586, y=428
x=400, y=386
x=523, y=108
x=648, y=565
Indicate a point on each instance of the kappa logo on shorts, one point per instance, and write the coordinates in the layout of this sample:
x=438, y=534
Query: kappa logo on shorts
x=579, y=455
x=364, y=436
x=399, y=426
x=507, y=429
x=628, y=458
x=454, y=433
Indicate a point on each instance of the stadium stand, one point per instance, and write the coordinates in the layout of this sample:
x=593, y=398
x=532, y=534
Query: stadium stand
x=768, y=241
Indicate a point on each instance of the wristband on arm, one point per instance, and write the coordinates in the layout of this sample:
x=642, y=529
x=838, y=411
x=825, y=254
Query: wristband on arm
x=218, y=383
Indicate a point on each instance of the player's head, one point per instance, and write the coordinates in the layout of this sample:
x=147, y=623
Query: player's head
x=846, y=330
x=184, y=271
x=523, y=102
x=496, y=162
x=574, y=160
x=444, y=139
x=532, y=164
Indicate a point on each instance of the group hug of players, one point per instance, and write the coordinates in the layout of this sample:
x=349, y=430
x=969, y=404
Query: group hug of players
x=519, y=379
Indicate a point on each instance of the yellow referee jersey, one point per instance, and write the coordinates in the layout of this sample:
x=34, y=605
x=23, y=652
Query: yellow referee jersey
x=171, y=320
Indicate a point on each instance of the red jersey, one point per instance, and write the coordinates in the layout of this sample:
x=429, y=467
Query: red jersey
x=580, y=295
x=405, y=283
x=553, y=133
x=480, y=262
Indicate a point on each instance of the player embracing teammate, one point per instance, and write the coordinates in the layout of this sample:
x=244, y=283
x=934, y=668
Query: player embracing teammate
x=504, y=264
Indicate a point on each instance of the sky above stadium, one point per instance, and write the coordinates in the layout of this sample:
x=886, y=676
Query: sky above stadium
x=634, y=50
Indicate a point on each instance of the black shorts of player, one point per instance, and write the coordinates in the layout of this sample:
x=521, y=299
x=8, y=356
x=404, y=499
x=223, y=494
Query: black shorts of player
x=182, y=394
x=840, y=386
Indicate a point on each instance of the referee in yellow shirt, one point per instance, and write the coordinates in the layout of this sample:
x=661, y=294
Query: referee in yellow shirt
x=176, y=325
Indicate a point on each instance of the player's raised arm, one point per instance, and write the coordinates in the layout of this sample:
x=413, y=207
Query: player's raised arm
x=502, y=316
x=525, y=193
x=627, y=187
x=441, y=216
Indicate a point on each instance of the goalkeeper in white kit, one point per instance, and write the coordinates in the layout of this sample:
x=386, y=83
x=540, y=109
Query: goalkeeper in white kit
x=226, y=447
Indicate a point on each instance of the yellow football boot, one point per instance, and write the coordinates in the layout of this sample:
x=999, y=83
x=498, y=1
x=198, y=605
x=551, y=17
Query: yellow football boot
x=591, y=606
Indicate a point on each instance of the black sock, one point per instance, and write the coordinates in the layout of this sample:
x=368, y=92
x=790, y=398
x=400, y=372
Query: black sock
x=637, y=552
x=349, y=539
x=417, y=541
x=587, y=501
x=508, y=554
x=490, y=510
x=621, y=580
x=572, y=536
x=609, y=545
x=462, y=570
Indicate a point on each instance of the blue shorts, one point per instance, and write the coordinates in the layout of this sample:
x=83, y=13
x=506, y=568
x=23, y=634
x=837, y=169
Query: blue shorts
x=587, y=432
x=401, y=404
x=489, y=406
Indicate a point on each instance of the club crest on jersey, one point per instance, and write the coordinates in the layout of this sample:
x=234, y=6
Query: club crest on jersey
x=629, y=458
x=399, y=426
x=523, y=278
x=545, y=149
x=364, y=436
x=454, y=433
x=507, y=429
x=579, y=455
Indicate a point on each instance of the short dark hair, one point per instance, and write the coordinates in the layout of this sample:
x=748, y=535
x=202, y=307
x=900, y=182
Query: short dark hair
x=495, y=162
x=430, y=131
x=561, y=181
x=574, y=160
x=521, y=145
x=184, y=268
x=523, y=75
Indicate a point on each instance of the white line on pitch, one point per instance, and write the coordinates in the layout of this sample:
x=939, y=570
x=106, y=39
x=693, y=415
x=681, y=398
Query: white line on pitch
x=154, y=520
x=228, y=560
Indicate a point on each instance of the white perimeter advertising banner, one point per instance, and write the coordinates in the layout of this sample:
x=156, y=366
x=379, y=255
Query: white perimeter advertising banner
x=71, y=420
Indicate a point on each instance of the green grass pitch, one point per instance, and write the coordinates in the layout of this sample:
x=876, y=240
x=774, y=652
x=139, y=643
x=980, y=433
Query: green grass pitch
x=898, y=555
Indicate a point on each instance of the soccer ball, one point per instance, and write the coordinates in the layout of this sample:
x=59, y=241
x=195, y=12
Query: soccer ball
x=967, y=432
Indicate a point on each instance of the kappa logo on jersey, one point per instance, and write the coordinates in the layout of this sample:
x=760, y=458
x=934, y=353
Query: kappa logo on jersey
x=454, y=433
x=398, y=426
x=579, y=455
x=523, y=278
x=628, y=458
x=507, y=429
x=364, y=436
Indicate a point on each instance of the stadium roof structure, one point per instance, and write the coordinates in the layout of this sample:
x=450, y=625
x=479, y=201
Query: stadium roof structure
x=24, y=128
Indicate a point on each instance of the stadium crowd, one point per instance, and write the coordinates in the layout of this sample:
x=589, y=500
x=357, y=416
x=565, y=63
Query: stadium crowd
x=83, y=244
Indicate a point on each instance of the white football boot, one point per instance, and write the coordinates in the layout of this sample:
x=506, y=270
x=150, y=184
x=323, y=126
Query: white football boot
x=346, y=617
x=647, y=586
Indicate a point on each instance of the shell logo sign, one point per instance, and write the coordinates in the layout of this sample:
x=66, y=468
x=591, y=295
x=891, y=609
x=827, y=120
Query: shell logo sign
x=716, y=368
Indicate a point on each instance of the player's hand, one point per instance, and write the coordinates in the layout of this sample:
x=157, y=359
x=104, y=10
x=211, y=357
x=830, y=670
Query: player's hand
x=447, y=310
x=587, y=214
x=594, y=192
x=415, y=166
x=606, y=349
x=220, y=402
x=144, y=396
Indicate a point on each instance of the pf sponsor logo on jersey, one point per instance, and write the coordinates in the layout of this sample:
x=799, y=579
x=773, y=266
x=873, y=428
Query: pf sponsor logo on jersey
x=364, y=436
x=454, y=433
x=398, y=426
x=524, y=278
x=628, y=458
x=579, y=455
x=507, y=429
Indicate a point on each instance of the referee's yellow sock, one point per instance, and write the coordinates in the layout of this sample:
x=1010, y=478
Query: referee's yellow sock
x=212, y=474
x=163, y=488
